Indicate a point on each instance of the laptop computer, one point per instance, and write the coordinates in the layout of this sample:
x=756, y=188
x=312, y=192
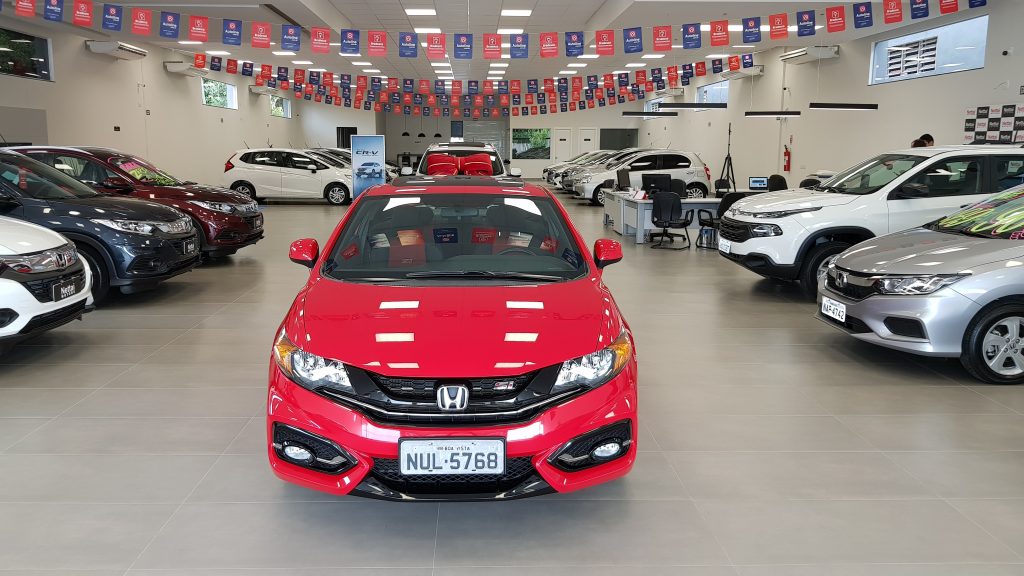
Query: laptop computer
x=758, y=183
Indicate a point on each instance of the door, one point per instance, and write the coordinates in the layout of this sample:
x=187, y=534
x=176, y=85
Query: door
x=345, y=134
x=587, y=140
x=944, y=186
x=678, y=167
x=297, y=179
x=642, y=165
x=263, y=171
x=561, y=144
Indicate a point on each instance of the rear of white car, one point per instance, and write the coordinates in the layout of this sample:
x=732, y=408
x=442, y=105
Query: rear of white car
x=43, y=283
x=286, y=173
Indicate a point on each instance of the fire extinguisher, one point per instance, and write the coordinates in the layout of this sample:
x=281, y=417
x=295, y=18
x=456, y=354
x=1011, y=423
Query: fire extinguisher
x=787, y=159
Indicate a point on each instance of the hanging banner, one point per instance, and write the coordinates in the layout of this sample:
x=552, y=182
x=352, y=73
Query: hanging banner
x=320, y=40
x=673, y=76
x=408, y=46
x=748, y=60
x=456, y=88
x=515, y=86
x=605, y=42
x=520, y=46
x=266, y=70
x=260, y=35
x=687, y=71
x=492, y=46
x=246, y=68
x=111, y=17
x=691, y=36
x=282, y=73
x=592, y=82
x=169, y=24
x=436, y=46
x=716, y=66
x=81, y=14
x=700, y=68
x=573, y=44
x=368, y=168
x=463, y=46
x=439, y=87
x=734, y=63
x=752, y=30
x=349, y=42
x=778, y=26
x=54, y=10
x=27, y=8
x=632, y=40
x=662, y=38
x=976, y=3
x=835, y=18
x=232, y=66
x=862, y=17
x=231, y=33
x=805, y=23
x=199, y=61
x=532, y=87
x=892, y=11
x=198, y=28
x=291, y=37
x=623, y=79
x=719, y=32
x=548, y=44
x=948, y=6
x=377, y=43
x=918, y=9
x=424, y=87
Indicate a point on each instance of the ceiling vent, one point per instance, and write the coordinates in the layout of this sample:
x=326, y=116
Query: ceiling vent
x=116, y=49
x=183, y=68
x=743, y=72
x=809, y=54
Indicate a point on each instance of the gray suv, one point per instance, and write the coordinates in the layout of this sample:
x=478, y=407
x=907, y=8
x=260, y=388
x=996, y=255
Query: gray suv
x=952, y=288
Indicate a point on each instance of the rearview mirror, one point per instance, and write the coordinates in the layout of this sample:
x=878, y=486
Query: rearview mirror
x=607, y=252
x=911, y=190
x=304, y=252
x=406, y=171
x=515, y=172
x=117, y=184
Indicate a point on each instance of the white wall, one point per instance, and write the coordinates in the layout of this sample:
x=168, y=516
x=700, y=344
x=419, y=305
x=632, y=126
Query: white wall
x=607, y=117
x=93, y=93
x=838, y=139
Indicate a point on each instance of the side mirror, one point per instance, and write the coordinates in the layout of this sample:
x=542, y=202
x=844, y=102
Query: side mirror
x=304, y=252
x=515, y=172
x=911, y=190
x=312, y=168
x=507, y=161
x=607, y=252
x=7, y=203
x=406, y=171
x=117, y=184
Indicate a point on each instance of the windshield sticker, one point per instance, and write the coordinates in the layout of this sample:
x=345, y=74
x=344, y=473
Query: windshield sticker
x=571, y=257
x=130, y=166
x=484, y=235
x=446, y=235
x=350, y=252
x=23, y=178
x=520, y=239
x=379, y=241
x=410, y=238
x=549, y=244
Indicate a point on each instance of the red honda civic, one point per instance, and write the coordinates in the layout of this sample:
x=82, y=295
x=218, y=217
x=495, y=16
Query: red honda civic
x=454, y=341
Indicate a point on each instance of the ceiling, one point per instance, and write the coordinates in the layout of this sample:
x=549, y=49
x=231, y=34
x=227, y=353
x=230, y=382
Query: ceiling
x=484, y=16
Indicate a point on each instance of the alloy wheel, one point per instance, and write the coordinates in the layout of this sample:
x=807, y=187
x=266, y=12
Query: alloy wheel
x=1002, y=347
x=336, y=195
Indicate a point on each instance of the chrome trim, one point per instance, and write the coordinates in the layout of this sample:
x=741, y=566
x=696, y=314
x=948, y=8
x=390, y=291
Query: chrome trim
x=348, y=399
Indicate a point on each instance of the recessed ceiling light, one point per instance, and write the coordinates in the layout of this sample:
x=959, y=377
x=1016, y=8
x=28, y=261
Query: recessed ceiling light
x=371, y=70
x=218, y=53
x=420, y=12
x=502, y=72
x=506, y=45
x=588, y=56
x=621, y=72
x=567, y=72
x=499, y=64
x=362, y=63
x=283, y=53
x=427, y=30
x=960, y=48
x=635, y=65
x=652, y=56
x=743, y=46
x=577, y=65
x=506, y=56
x=189, y=42
x=510, y=30
x=335, y=43
x=302, y=61
x=449, y=78
x=356, y=55
x=592, y=46
x=495, y=78
x=318, y=69
x=438, y=64
x=511, y=12
x=717, y=56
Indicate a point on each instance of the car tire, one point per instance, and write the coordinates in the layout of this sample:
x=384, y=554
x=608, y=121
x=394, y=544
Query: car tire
x=100, y=275
x=993, y=327
x=245, y=188
x=813, y=262
x=695, y=190
x=337, y=194
x=597, y=199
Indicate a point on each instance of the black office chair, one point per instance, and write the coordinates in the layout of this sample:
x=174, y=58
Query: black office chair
x=668, y=213
x=777, y=182
x=678, y=187
x=705, y=219
x=722, y=187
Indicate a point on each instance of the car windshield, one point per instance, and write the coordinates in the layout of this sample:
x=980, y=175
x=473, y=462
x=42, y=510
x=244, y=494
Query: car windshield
x=327, y=159
x=496, y=168
x=870, y=176
x=1000, y=216
x=28, y=177
x=144, y=172
x=464, y=237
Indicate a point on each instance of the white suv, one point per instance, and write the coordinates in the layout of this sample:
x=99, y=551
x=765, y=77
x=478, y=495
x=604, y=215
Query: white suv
x=793, y=234
x=284, y=173
x=679, y=165
x=461, y=150
x=43, y=283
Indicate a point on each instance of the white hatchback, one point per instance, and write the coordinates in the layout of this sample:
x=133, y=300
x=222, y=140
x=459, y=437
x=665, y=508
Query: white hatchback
x=678, y=165
x=285, y=173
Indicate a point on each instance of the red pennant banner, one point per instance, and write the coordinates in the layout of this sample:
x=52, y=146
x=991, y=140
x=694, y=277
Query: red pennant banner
x=424, y=87
x=361, y=82
x=320, y=40
x=835, y=18
x=662, y=38
x=377, y=43
x=198, y=28
x=266, y=70
x=548, y=44
x=719, y=32
x=436, y=46
x=893, y=11
x=456, y=87
x=26, y=8
x=232, y=66
x=641, y=76
x=515, y=86
x=605, y=42
x=778, y=26
x=700, y=68
x=734, y=62
x=142, y=21
x=261, y=35
x=492, y=46
x=82, y=13
x=948, y=6
x=199, y=60
x=673, y=76
x=609, y=81
x=488, y=86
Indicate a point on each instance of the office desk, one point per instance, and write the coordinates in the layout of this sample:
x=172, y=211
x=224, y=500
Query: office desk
x=631, y=217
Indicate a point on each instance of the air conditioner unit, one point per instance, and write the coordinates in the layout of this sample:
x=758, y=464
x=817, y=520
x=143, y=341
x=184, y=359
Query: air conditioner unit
x=668, y=92
x=116, y=49
x=183, y=68
x=809, y=54
x=260, y=90
x=743, y=72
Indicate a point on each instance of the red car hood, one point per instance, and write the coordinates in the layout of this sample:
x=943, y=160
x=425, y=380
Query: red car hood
x=453, y=332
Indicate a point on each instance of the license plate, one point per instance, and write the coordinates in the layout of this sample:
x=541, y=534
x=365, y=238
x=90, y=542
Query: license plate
x=62, y=290
x=833, y=309
x=447, y=456
x=724, y=245
x=191, y=246
x=257, y=222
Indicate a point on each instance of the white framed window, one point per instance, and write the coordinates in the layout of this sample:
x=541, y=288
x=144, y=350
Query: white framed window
x=941, y=50
x=715, y=93
x=280, y=106
x=652, y=105
x=219, y=94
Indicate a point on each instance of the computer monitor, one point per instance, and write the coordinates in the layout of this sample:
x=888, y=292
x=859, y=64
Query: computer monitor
x=758, y=183
x=661, y=182
x=622, y=179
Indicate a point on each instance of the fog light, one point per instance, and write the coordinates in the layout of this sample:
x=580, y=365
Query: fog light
x=606, y=450
x=298, y=453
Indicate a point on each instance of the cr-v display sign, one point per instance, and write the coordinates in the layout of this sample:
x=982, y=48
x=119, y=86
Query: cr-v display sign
x=368, y=167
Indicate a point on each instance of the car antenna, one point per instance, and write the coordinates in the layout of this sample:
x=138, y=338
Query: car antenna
x=246, y=144
x=2, y=138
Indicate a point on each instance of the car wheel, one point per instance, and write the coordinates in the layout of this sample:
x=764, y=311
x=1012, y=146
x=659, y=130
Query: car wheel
x=696, y=191
x=100, y=275
x=598, y=198
x=816, y=264
x=337, y=194
x=245, y=188
x=992, y=347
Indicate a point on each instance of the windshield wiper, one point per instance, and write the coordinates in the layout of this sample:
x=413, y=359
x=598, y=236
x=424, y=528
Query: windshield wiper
x=823, y=188
x=484, y=274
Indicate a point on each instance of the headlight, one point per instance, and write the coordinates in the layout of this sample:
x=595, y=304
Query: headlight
x=46, y=261
x=584, y=178
x=594, y=369
x=765, y=230
x=309, y=370
x=915, y=285
x=132, y=226
x=781, y=213
x=215, y=206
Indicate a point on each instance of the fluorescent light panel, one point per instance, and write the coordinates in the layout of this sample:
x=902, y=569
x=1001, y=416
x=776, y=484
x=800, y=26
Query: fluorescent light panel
x=420, y=12
x=510, y=31
x=513, y=12
x=427, y=30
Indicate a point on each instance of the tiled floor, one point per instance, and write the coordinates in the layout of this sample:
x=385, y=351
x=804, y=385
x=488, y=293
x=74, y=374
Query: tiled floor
x=132, y=443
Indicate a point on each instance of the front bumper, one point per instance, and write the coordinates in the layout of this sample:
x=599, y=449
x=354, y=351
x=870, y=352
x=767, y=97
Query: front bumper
x=145, y=261
x=769, y=256
x=530, y=443
x=228, y=233
x=764, y=265
x=34, y=316
x=940, y=318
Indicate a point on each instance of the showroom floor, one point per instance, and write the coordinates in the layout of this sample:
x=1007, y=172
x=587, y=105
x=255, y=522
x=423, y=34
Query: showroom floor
x=132, y=442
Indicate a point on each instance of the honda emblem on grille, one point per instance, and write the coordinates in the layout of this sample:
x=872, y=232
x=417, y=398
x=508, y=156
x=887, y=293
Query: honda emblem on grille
x=452, y=398
x=841, y=279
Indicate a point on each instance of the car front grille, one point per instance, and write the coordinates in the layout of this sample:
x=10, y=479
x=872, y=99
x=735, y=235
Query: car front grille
x=55, y=318
x=43, y=289
x=733, y=230
x=388, y=472
x=853, y=287
x=426, y=388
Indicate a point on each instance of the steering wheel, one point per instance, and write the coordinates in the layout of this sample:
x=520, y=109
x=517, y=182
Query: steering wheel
x=516, y=250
